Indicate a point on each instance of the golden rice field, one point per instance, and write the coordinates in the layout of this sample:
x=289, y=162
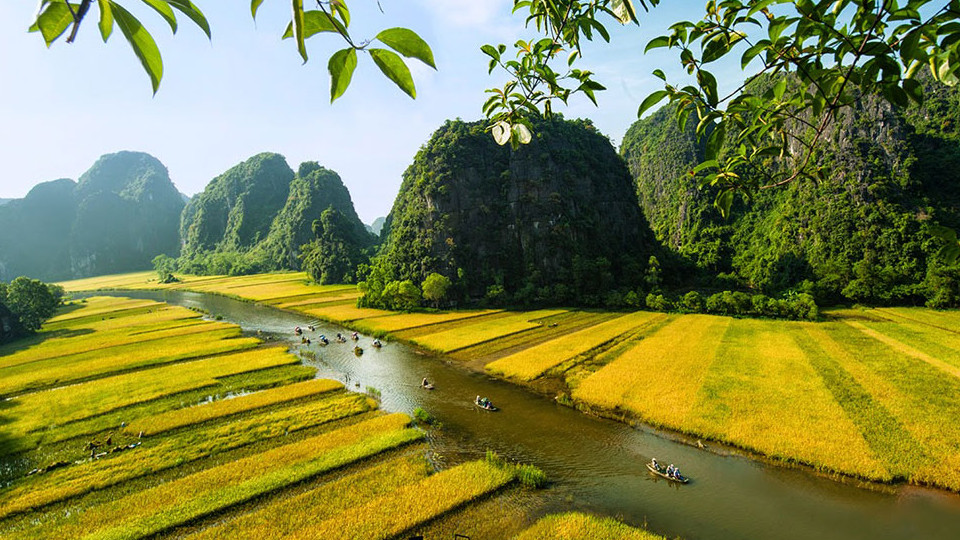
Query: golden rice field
x=873, y=393
x=238, y=443
x=577, y=526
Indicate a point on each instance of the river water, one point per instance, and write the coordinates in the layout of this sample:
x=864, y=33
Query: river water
x=597, y=465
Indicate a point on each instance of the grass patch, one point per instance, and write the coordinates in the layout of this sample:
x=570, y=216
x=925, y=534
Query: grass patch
x=577, y=526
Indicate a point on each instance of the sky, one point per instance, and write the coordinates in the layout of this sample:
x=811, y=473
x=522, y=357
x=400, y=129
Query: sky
x=247, y=91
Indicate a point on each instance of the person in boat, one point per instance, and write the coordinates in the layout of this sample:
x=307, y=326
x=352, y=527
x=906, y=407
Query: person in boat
x=376, y=343
x=670, y=469
x=653, y=461
x=297, y=331
x=676, y=473
x=424, y=383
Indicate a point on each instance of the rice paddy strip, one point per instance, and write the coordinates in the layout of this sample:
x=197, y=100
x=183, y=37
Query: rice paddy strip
x=907, y=350
x=113, y=281
x=58, y=371
x=102, y=306
x=920, y=396
x=186, y=499
x=929, y=340
x=226, y=407
x=413, y=504
x=660, y=376
x=243, y=382
x=345, y=312
x=552, y=328
x=122, y=318
x=890, y=441
x=36, y=491
x=62, y=405
x=332, y=295
x=533, y=362
x=270, y=291
x=65, y=348
x=279, y=518
x=483, y=329
x=406, y=321
x=577, y=526
x=763, y=394
x=948, y=320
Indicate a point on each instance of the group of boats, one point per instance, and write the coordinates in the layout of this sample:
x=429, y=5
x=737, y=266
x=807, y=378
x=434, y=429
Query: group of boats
x=323, y=340
x=670, y=472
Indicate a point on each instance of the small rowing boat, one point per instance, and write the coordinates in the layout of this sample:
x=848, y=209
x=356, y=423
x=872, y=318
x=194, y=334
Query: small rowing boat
x=659, y=472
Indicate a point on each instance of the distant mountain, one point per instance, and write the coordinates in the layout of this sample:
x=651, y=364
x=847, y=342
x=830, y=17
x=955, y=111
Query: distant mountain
x=556, y=221
x=376, y=226
x=258, y=215
x=123, y=212
x=861, y=235
x=5, y=201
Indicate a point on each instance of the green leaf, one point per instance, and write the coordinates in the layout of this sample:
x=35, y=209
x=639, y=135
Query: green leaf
x=193, y=13
x=650, y=101
x=164, y=10
x=914, y=89
x=624, y=11
x=53, y=21
x=254, y=6
x=657, y=42
x=341, y=66
x=409, y=44
x=106, y=19
x=951, y=251
x=522, y=133
x=715, y=142
x=141, y=42
x=297, y=21
x=315, y=22
x=723, y=202
x=393, y=67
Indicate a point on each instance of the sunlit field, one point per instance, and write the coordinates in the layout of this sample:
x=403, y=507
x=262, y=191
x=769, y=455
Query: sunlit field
x=873, y=393
x=575, y=526
x=173, y=446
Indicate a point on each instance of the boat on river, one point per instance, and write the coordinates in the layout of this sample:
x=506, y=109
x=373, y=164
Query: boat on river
x=488, y=406
x=661, y=473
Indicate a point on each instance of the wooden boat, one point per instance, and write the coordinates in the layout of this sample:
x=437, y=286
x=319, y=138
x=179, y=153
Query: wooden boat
x=490, y=407
x=658, y=472
x=357, y=350
x=427, y=386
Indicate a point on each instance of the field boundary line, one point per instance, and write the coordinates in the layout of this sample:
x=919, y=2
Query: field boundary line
x=885, y=313
x=899, y=346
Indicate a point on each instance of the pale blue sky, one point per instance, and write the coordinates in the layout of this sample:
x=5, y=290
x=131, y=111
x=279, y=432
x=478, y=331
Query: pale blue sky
x=247, y=92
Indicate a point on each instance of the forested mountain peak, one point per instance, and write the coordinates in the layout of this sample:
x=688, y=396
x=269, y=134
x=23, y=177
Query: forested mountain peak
x=236, y=209
x=859, y=235
x=122, y=213
x=554, y=221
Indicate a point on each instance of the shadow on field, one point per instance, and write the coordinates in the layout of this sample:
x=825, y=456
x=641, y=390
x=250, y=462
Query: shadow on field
x=38, y=338
x=7, y=442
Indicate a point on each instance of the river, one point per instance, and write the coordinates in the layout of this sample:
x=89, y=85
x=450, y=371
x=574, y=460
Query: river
x=597, y=465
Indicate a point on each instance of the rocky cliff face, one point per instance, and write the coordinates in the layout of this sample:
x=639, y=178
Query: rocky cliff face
x=860, y=235
x=123, y=212
x=556, y=219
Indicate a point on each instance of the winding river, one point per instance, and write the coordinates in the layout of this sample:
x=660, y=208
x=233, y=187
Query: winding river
x=597, y=465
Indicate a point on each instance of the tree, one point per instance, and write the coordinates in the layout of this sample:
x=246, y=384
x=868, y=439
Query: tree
x=31, y=301
x=165, y=266
x=435, y=288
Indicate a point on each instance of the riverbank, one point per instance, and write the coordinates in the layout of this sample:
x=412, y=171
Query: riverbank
x=870, y=394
